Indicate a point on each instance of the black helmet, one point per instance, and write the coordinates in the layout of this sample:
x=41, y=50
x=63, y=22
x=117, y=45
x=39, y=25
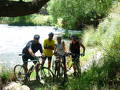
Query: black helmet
x=74, y=37
x=36, y=37
x=51, y=34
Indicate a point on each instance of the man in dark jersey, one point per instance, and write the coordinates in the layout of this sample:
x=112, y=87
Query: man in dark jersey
x=75, y=50
x=29, y=53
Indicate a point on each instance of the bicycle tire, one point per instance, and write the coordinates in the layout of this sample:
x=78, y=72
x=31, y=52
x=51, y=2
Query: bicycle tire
x=59, y=72
x=46, y=75
x=19, y=72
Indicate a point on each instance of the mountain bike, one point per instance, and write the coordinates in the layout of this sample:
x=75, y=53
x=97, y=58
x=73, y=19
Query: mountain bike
x=58, y=67
x=44, y=73
x=77, y=65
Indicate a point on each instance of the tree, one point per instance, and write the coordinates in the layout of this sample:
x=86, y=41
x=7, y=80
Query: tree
x=17, y=8
x=75, y=14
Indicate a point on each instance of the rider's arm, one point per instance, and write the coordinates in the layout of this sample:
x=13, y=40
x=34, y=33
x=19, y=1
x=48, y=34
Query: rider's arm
x=45, y=44
x=83, y=48
x=70, y=47
x=29, y=45
x=41, y=49
x=31, y=52
x=63, y=43
x=52, y=47
x=55, y=48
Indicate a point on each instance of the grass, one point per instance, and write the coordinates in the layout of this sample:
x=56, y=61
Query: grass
x=7, y=76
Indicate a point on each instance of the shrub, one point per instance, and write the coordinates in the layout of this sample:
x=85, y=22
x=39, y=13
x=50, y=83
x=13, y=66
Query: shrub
x=29, y=20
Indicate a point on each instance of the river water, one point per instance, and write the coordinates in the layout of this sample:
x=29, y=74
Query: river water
x=14, y=38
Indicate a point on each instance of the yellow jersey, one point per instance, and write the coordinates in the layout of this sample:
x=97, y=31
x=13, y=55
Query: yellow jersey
x=48, y=43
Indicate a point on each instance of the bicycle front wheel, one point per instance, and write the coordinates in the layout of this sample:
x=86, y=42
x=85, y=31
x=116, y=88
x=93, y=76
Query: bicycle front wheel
x=46, y=75
x=19, y=72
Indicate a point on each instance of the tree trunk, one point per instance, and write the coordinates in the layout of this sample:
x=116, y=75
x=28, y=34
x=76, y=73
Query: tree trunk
x=15, y=8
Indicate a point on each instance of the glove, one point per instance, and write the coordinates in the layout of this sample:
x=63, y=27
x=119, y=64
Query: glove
x=83, y=54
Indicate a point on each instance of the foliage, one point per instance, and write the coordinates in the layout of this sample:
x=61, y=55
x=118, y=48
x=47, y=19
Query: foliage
x=6, y=75
x=29, y=20
x=107, y=72
x=78, y=12
x=91, y=37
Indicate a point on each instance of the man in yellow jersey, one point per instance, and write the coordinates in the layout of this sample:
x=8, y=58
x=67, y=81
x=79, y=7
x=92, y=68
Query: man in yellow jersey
x=48, y=45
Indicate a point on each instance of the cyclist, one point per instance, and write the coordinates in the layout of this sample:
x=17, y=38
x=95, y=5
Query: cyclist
x=49, y=45
x=60, y=49
x=29, y=53
x=75, y=46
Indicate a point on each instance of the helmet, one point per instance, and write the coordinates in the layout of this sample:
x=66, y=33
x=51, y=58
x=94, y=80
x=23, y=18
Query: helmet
x=59, y=37
x=51, y=34
x=36, y=37
x=74, y=37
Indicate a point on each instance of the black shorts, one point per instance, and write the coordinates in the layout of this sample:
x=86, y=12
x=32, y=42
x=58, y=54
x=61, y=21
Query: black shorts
x=48, y=57
x=75, y=59
x=26, y=57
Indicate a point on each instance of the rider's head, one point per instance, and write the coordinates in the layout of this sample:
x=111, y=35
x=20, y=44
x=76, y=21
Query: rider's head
x=74, y=37
x=36, y=38
x=59, y=39
x=51, y=35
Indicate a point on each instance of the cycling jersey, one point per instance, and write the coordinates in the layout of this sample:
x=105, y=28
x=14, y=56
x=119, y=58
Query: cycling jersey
x=60, y=48
x=75, y=47
x=48, y=43
x=34, y=46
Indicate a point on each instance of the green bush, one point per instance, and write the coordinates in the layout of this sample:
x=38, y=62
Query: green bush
x=78, y=12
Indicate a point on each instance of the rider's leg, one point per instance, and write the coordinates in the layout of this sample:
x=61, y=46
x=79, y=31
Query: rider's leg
x=25, y=67
x=65, y=69
x=77, y=65
x=25, y=63
x=43, y=60
x=49, y=62
x=36, y=68
x=78, y=68
x=74, y=66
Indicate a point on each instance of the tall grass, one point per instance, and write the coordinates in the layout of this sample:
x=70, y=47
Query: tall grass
x=6, y=76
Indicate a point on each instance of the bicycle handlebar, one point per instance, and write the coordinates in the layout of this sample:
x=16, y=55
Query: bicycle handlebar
x=36, y=56
x=81, y=54
x=68, y=54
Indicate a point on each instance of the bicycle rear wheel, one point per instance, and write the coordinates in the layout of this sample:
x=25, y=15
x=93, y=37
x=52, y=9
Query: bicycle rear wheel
x=19, y=72
x=46, y=75
x=78, y=70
